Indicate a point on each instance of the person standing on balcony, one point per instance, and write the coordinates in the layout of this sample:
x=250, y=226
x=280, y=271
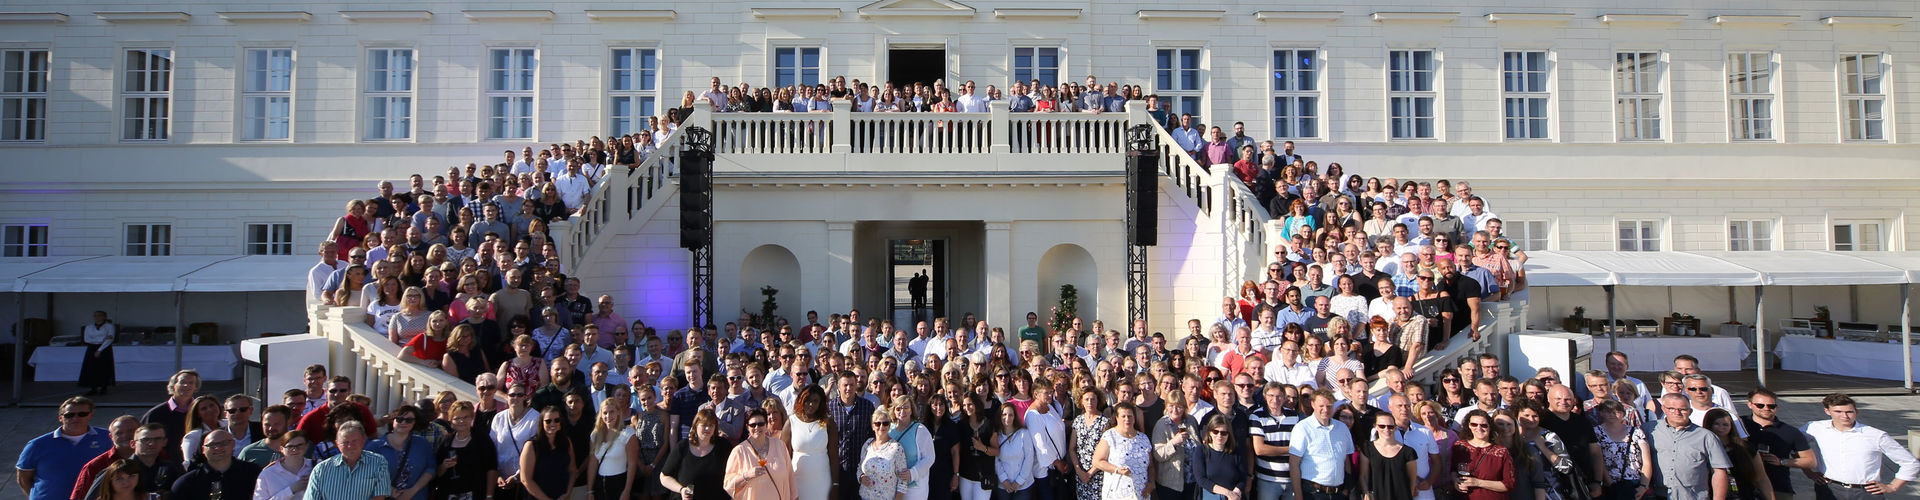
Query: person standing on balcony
x=1217, y=151
x=1186, y=137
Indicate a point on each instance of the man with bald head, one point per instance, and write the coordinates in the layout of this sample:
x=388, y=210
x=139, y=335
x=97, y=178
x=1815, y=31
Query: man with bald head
x=219, y=472
x=121, y=431
x=1565, y=418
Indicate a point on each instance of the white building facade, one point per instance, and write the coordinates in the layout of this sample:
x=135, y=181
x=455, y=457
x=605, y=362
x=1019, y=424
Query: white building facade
x=191, y=128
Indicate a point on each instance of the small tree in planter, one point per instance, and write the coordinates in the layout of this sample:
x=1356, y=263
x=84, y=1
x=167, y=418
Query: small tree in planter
x=1577, y=322
x=1068, y=308
x=764, y=320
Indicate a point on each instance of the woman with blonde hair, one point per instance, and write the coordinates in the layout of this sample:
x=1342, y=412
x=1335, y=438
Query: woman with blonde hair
x=428, y=346
x=615, y=457
x=461, y=359
x=524, y=368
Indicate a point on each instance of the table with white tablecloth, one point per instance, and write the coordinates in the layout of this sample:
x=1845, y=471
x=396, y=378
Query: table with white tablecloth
x=1716, y=353
x=137, y=363
x=1849, y=358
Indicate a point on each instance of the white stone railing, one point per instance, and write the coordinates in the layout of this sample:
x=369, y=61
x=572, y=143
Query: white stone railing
x=772, y=133
x=622, y=193
x=1068, y=133
x=1176, y=165
x=921, y=133
x=374, y=363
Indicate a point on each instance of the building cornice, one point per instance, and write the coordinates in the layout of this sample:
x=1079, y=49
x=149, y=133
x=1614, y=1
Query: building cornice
x=1642, y=19
x=1865, y=21
x=387, y=16
x=1416, y=17
x=1554, y=19
x=795, y=12
x=1037, y=13
x=508, y=15
x=1182, y=15
x=291, y=16
x=1323, y=16
x=1754, y=21
x=143, y=16
x=32, y=18
x=632, y=15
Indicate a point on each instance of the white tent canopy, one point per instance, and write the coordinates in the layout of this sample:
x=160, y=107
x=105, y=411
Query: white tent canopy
x=193, y=273
x=1790, y=268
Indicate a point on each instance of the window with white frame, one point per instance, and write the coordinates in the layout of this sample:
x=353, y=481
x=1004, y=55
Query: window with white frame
x=146, y=95
x=149, y=240
x=1529, y=235
x=23, y=240
x=267, y=95
x=1639, y=235
x=1036, y=63
x=510, y=92
x=796, y=66
x=269, y=239
x=1858, y=236
x=1863, y=96
x=1523, y=94
x=1296, y=93
x=389, y=94
x=1637, y=97
x=23, y=95
x=1410, y=94
x=635, y=90
x=1178, y=81
x=1750, y=95
x=1750, y=235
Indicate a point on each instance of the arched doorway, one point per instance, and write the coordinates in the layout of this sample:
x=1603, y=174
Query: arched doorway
x=1068, y=264
x=769, y=266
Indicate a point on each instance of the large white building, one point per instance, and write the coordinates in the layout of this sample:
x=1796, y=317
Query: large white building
x=221, y=129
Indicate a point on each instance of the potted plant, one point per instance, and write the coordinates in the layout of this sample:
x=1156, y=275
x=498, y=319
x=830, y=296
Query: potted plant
x=1577, y=322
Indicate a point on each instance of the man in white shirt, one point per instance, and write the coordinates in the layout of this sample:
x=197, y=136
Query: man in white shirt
x=1686, y=364
x=1850, y=455
x=969, y=101
x=716, y=94
x=1319, y=447
x=1616, y=370
x=329, y=263
x=519, y=166
x=573, y=186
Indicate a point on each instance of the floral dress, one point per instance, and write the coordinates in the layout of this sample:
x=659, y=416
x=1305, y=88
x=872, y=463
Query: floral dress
x=1131, y=453
x=1086, y=437
x=879, y=470
x=1623, y=458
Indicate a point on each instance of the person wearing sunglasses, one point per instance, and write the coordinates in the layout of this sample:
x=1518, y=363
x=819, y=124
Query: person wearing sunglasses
x=547, y=463
x=883, y=471
x=410, y=459
x=760, y=467
x=1388, y=468
x=49, y=465
x=1484, y=470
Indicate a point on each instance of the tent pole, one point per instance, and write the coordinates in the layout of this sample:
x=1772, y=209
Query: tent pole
x=20, y=346
x=1760, y=331
x=1733, y=311
x=179, y=328
x=1907, y=341
x=1613, y=343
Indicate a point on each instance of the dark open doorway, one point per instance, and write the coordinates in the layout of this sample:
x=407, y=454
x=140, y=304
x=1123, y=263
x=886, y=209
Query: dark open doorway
x=917, y=275
x=906, y=67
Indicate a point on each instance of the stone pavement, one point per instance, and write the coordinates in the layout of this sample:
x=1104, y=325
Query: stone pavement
x=1894, y=414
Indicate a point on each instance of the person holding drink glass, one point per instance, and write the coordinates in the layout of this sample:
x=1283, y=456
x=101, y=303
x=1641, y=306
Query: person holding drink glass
x=1484, y=469
x=759, y=468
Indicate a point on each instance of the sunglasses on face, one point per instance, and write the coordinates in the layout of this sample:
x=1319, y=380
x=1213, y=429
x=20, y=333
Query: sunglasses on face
x=1765, y=406
x=1698, y=389
x=339, y=391
x=235, y=411
x=761, y=423
x=552, y=421
x=76, y=414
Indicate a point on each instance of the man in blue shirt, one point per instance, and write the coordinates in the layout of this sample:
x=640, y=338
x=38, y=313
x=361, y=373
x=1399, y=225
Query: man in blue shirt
x=1186, y=137
x=1295, y=312
x=50, y=464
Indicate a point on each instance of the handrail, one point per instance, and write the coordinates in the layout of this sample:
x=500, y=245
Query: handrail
x=374, y=364
x=846, y=132
x=637, y=186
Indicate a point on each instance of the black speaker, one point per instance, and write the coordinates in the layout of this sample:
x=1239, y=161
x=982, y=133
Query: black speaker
x=696, y=198
x=1143, y=185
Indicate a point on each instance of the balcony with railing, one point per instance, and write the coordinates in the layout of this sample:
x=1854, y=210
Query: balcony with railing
x=997, y=142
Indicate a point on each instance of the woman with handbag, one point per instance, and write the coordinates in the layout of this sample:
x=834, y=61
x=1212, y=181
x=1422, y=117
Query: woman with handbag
x=977, y=476
x=96, y=368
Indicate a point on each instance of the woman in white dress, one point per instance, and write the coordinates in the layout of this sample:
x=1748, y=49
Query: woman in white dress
x=1123, y=454
x=811, y=435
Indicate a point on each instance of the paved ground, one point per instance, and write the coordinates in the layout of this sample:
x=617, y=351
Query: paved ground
x=1895, y=414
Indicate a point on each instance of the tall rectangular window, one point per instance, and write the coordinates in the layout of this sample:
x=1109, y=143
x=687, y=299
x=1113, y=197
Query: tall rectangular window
x=1639, y=235
x=1296, y=93
x=23, y=240
x=389, y=94
x=1863, y=96
x=1036, y=63
x=1529, y=235
x=146, y=95
x=267, y=95
x=634, y=90
x=1857, y=236
x=796, y=66
x=1749, y=235
x=1178, y=80
x=1750, y=95
x=23, y=95
x=269, y=239
x=1636, y=96
x=510, y=92
x=149, y=240
x=1410, y=94
x=1523, y=94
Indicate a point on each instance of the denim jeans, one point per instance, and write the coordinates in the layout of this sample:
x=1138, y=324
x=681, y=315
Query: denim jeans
x=1272, y=490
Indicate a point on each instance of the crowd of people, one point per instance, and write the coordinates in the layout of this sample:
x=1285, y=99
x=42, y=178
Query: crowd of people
x=1269, y=399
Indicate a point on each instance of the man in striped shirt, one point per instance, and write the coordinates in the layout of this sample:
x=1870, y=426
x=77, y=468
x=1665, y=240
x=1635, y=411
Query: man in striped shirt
x=353, y=474
x=1273, y=424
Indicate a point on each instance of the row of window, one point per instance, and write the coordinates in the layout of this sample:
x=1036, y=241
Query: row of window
x=1414, y=103
x=1634, y=235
